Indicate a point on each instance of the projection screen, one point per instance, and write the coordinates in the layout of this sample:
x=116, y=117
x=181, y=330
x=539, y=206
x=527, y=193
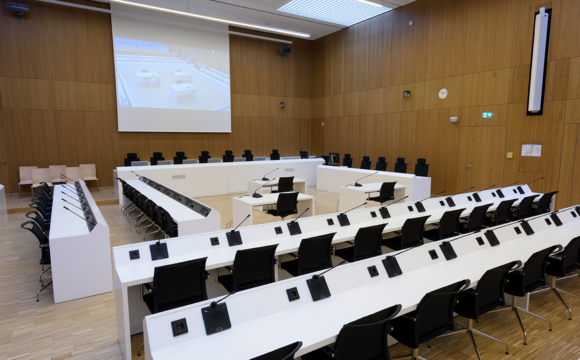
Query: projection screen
x=172, y=74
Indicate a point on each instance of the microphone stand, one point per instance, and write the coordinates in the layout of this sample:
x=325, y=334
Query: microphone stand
x=294, y=227
x=420, y=206
x=80, y=216
x=383, y=209
x=449, y=199
x=364, y=177
x=521, y=191
x=264, y=178
x=256, y=195
x=318, y=286
x=448, y=250
x=234, y=237
x=392, y=265
x=500, y=193
x=343, y=219
x=476, y=195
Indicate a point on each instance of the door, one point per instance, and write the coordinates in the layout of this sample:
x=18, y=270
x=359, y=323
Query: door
x=4, y=173
x=485, y=155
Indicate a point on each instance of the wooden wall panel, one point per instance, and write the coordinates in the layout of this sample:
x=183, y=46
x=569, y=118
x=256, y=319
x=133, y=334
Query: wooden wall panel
x=379, y=52
x=24, y=50
x=454, y=86
x=519, y=84
x=557, y=76
x=486, y=88
x=473, y=116
x=395, y=102
x=574, y=81
x=567, y=162
x=22, y=93
x=573, y=111
x=565, y=29
x=76, y=96
x=524, y=29
x=108, y=95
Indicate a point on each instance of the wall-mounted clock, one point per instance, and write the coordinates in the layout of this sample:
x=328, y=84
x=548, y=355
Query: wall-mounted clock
x=443, y=93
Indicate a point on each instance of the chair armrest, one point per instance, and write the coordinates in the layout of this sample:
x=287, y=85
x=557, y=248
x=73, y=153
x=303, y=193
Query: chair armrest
x=230, y=269
x=42, y=246
x=328, y=351
x=148, y=287
x=293, y=255
x=206, y=275
x=350, y=243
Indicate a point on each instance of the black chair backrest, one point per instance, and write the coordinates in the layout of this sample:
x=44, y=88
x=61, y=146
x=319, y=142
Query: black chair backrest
x=571, y=256
x=381, y=164
x=254, y=266
x=366, y=338
x=366, y=163
x=180, y=156
x=387, y=191
x=490, y=288
x=130, y=157
x=434, y=314
x=157, y=156
x=36, y=230
x=477, y=217
x=421, y=168
x=412, y=232
x=170, y=225
x=326, y=159
x=287, y=204
x=160, y=217
x=179, y=284
x=41, y=208
x=284, y=353
x=304, y=154
x=229, y=156
x=315, y=252
x=151, y=209
x=34, y=215
x=534, y=271
x=449, y=224
x=400, y=165
x=286, y=184
x=502, y=213
x=275, y=155
x=545, y=201
x=525, y=208
x=368, y=241
x=248, y=155
x=203, y=157
x=347, y=161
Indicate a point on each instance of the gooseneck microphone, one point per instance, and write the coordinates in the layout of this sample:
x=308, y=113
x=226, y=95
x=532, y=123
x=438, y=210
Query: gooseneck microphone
x=234, y=237
x=67, y=177
x=293, y=221
x=476, y=194
x=316, y=276
x=392, y=265
x=264, y=178
x=353, y=208
x=82, y=202
x=385, y=212
x=214, y=303
x=294, y=227
x=136, y=173
x=80, y=216
x=343, y=219
x=419, y=204
x=240, y=224
x=364, y=177
x=521, y=191
x=449, y=199
x=448, y=250
x=68, y=202
x=500, y=193
x=256, y=195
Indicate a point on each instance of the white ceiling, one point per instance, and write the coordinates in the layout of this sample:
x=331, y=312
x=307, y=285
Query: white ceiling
x=259, y=12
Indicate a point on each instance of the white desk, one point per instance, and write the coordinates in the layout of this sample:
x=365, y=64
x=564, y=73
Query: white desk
x=351, y=196
x=181, y=75
x=183, y=89
x=197, y=180
x=243, y=206
x=299, y=185
x=188, y=221
x=148, y=76
x=331, y=178
x=263, y=319
x=81, y=259
x=131, y=273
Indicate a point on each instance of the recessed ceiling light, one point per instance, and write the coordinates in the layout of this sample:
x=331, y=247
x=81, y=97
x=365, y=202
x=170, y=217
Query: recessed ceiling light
x=209, y=18
x=343, y=12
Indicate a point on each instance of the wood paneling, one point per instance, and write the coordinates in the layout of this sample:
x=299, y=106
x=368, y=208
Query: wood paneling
x=486, y=88
x=484, y=171
x=565, y=30
x=473, y=116
x=108, y=95
x=76, y=96
x=524, y=29
x=22, y=93
x=574, y=81
x=379, y=52
x=573, y=111
x=395, y=102
x=569, y=145
x=557, y=76
x=454, y=86
x=519, y=84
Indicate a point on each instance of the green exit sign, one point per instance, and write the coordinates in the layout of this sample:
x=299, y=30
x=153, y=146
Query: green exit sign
x=487, y=115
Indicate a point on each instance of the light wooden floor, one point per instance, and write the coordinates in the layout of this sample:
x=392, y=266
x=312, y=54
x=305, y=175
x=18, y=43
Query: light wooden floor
x=86, y=328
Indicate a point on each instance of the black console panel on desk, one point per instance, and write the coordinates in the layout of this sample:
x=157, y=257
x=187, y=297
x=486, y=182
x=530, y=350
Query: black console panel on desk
x=87, y=211
x=180, y=198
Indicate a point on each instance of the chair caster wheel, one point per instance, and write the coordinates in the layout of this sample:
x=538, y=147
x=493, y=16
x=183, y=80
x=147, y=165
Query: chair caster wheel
x=507, y=353
x=550, y=329
x=525, y=343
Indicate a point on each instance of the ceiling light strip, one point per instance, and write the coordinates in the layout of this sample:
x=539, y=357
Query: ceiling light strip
x=209, y=18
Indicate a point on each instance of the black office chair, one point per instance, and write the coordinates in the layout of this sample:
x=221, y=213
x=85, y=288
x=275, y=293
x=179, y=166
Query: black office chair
x=447, y=227
x=285, y=184
x=400, y=165
x=386, y=193
x=152, y=215
x=501, y=214
x=42, y=210
x=487, y=296
x=42, y=222
x=170, y=225
x=248, y=155
x=203, y=157
x=543, y=205
x=367, y=244
x=286, y=205
x=179, y=157
x=433, y=317
x=421, y=167
x=362, y=339
x=44, y=251
x=130, y=158
x=366, y=163
x=304, y=154
x=381, y=164
x=252, y=268
x=176, y=285
x=229, y=156
x=525, y=209
x=347, y=161
x=562, y=266
x=531, y=277
x=314, y=254
x=157, y=156
x=275, y=155
x=476, y=220
x=326, y=159
x=410, y=236
x=284, y=353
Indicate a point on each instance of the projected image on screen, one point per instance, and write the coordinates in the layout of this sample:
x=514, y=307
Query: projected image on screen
x=169, y=76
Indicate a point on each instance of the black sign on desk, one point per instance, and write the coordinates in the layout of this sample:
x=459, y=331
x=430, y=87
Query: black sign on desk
x=216, y=318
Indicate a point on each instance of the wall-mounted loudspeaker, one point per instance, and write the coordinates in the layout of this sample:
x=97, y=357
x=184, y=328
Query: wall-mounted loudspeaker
x=538, y=68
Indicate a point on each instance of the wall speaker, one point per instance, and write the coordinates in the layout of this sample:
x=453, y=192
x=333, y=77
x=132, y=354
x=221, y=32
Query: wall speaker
x=538, y=67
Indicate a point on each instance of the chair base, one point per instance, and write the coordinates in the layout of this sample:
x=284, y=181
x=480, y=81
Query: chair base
x=556, y=289
x=515, y=309
x=414, y=356
x=42, y=288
